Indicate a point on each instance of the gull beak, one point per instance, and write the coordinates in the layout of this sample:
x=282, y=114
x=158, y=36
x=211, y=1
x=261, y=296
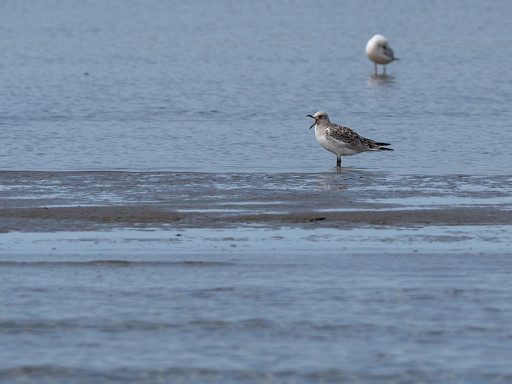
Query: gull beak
x=312, y=118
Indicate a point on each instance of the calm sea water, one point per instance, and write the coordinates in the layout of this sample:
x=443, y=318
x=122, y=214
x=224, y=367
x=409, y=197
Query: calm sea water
x=166, y=215
x=188, y=86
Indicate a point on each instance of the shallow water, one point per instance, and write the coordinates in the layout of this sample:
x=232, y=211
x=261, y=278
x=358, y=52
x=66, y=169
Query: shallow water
x=301, y=318
x=236, y=318
x=215, y=88
x=166, y=215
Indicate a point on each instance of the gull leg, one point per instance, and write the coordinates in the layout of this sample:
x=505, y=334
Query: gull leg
x=338, y=162
x=384, y=66
x=376, y=70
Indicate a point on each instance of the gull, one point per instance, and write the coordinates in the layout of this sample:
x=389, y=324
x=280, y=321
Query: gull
x=342, y=141
x=379, y=51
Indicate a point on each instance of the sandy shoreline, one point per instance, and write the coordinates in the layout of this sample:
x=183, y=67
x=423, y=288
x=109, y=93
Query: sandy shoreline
x=96, y=201
x=109, y=217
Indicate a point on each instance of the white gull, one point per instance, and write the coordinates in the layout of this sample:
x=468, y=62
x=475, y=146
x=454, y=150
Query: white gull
x=379, y=51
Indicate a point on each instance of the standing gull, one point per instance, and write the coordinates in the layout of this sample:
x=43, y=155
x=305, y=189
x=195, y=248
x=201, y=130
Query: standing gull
x=379, y=51
x=342, y=141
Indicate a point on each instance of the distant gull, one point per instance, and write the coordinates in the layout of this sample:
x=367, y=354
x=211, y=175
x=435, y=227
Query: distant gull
x=342, y=141
x=379, y=51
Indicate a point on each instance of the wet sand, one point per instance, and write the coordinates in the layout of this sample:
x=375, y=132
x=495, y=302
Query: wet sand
x=104, y=217
x=133, y=214
x=90, y=201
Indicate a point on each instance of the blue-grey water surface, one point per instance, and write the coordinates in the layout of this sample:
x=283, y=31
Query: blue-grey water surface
x=192, y=86
x=166, y=215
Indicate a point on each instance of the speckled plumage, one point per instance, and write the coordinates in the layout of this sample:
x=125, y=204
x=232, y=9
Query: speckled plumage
x=342, y=141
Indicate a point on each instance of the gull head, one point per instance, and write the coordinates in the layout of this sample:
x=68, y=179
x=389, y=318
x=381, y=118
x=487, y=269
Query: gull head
x=320, y=116
x=379, y=51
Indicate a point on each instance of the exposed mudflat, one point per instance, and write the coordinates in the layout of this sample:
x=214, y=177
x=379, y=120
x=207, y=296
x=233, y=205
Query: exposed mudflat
x=84, y=201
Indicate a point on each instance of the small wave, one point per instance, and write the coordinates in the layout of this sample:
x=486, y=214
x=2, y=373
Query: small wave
x=56, y=374
x=113, y=263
